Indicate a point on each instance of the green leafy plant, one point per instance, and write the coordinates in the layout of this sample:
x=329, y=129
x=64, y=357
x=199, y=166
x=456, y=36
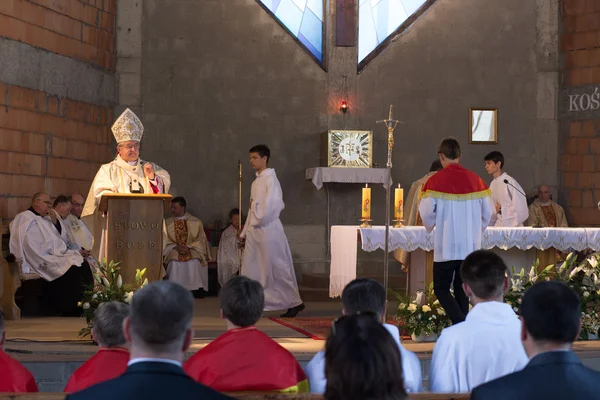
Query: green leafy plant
x=421, y=315
x=107, y=286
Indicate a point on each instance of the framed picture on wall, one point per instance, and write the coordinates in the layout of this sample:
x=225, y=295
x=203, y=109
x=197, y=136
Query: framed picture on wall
x=483, y=125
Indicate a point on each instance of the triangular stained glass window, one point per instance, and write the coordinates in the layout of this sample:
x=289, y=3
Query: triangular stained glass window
x=378, y=19
x=304, y=20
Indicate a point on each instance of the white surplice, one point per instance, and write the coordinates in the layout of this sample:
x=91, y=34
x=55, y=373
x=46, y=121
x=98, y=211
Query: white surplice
x=118, y=176
x=267, y=256
x=514, y=210
x=79, y=232
x=192, y=274
x=39, y=249
x=411, y=367
x=460, y=225
x=486, y=346
x=228, y=262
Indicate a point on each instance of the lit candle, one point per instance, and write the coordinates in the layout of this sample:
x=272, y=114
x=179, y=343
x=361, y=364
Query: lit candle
x=366, y=202
x=398, y=203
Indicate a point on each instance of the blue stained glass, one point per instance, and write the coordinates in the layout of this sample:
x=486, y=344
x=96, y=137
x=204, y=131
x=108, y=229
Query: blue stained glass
x=378, y=19
x=303, y=18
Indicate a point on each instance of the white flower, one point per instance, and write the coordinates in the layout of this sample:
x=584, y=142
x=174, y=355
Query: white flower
x=517, y=285
x=119, y=282
x=441, y=311
x=95, y=296
x=105, y=282
x=79, y=304
x=402, y=306
x=519, y=301
x=586, y=294
x=86, y=306
x=412, y=308
x=129, y=297
x=509, y=303
x=575, y=272
x=426, y=308
x=593, y=261
x=433, y=317
x=421, y=299
x=532, y=275
x=436, y=303
x=145, y=282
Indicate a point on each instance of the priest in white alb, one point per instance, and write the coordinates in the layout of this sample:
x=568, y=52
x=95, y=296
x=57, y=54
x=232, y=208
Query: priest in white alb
x=78, y=230
x=411, y=210
x=487, y=345
x=228, y=256
x=186, y=250
x=38, y=248
x=544, y=212
x=508, y=197
x=127, y=173
x=267, y=256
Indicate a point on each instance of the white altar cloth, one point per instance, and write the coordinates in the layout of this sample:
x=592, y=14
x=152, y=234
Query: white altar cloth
x=321, y=175
x=344, y=241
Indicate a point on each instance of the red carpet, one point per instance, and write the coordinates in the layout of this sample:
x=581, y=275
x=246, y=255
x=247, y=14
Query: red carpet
x=318, y=328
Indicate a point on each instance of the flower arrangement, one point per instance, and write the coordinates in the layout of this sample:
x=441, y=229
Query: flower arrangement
x=107, y=286
x=582, y=276
x=422, y=316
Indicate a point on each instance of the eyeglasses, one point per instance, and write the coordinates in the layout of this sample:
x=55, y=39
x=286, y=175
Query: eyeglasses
x=46, y=202
x=131, y=146
x=335, y=321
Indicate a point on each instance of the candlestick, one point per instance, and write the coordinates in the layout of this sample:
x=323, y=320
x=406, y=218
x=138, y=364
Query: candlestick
x=365, y=210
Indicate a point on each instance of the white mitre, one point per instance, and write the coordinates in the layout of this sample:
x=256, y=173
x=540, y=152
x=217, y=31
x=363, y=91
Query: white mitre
x=128, y=127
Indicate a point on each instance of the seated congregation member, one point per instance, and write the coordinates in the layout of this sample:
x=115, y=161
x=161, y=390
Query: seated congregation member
x=186, y=249
x=544, y=212
x=487, y=344
x=359, y=296
x=113, y=355
x=550, y=323
x=362, y=361
x=228, y=261
x=61, y=208
x=77, y=228
x=14, y=377
x=244, y=358
x=159, y=331
x=37, y=246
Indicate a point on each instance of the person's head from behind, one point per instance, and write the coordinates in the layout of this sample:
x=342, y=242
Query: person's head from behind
x=484, y=276
x=108, y=324
x=363, y=295
x=362, y=361
x=550, y=317
x=242, y=302
x=259, y=157
x=494, y=162
x=178, y=207
x=449, y=151
x=436, y=166
x=62, y=205
x=160, y=321
x=234, y=217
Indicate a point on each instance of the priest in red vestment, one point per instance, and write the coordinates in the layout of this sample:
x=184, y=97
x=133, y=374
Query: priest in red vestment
x=14, y=377
x=112, y=358
x=245, y=359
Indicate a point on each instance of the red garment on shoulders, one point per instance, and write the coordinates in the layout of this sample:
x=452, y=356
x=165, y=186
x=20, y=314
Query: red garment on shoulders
x=247, y=360
x=14, y=377
x=455, y=182
x=106, y=364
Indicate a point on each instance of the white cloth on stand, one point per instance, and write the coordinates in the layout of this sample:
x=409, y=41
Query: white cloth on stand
x=189, y=274
x=321, y=175
x=344, y=251
x=267, y=256
x=486, y=346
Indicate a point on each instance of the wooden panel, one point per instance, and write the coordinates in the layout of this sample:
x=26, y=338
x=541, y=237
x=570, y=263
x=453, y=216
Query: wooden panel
x=134, y=235
x=345, y=25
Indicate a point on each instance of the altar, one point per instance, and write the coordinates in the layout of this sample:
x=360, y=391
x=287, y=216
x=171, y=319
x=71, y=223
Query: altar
x=519, y=247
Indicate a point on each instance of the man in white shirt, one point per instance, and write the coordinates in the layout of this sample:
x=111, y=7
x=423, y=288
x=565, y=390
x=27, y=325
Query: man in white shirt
x=487, y=345
x=159, y=331
x=367, y=295
x=457, y=202
x=508, y=197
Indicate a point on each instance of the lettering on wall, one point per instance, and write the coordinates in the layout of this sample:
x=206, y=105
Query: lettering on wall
x=581, y=102
x=135, y=245
x=124, y=225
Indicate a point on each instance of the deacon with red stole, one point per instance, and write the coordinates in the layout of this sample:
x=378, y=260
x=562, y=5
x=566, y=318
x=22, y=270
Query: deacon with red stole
x=111, y=359
x=245, y=359
x=14, y=377
x=457, y=203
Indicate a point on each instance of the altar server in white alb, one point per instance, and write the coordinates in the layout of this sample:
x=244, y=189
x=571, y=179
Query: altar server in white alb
x=127, y=173
x=267, y=256
x=508, y=197
x=487, y=345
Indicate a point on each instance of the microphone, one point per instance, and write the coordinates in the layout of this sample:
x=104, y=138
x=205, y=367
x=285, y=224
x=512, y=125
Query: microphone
x=508, y=183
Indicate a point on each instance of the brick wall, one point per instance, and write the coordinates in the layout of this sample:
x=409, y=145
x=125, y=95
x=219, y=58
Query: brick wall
x=50, y=144
x=580, y=155
x=48, y=140
x=80, y=29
